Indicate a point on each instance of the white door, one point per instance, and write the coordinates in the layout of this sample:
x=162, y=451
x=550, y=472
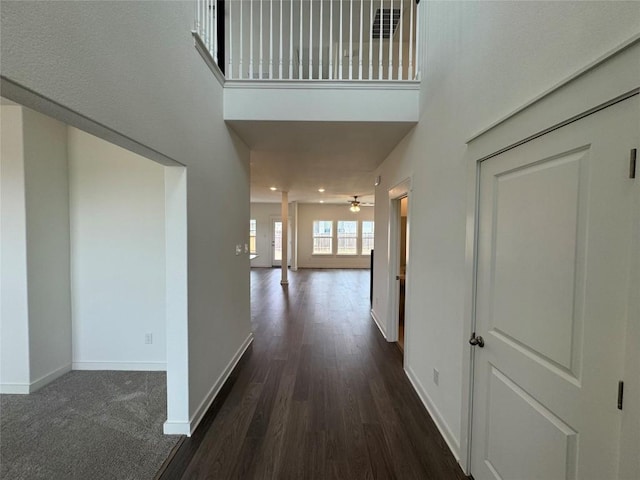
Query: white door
x=276, y=243
x=555, y=223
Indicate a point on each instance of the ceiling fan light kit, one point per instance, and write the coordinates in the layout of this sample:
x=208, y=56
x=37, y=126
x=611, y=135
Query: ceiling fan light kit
x=355, y=204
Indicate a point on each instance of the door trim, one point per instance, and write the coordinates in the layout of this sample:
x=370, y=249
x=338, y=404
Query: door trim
x=579, y=96
x=397, y=192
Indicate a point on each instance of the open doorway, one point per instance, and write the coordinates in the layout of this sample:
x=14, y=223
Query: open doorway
x=402, y=269
x=398, y=326
x=99, y=277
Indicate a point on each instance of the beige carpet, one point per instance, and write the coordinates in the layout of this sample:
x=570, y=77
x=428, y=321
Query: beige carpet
x=86, y=425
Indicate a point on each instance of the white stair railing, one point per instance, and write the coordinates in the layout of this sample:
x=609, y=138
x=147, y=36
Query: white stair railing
x=312, y=39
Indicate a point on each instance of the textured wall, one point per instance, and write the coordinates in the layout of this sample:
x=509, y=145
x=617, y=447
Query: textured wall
x=132, y=67
x=481, y=60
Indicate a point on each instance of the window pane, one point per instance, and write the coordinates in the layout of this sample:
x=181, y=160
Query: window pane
x=322, y=237
x=367, y=237
x=277, y=241
x=347, y=237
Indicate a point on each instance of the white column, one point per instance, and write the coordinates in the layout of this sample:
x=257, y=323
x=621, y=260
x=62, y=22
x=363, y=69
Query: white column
x=285, y=238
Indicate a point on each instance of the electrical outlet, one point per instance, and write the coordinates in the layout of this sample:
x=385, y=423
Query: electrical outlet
x=436, y=376
x=148, y=338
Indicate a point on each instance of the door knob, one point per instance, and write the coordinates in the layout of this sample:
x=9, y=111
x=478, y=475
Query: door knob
x=473, y=341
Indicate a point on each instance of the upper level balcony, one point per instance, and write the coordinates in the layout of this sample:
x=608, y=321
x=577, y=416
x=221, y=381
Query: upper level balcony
x=313, y=60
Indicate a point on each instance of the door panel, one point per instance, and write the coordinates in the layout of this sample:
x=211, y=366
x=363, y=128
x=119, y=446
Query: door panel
x=516, y=418
x=554, y=230
x=537, y=230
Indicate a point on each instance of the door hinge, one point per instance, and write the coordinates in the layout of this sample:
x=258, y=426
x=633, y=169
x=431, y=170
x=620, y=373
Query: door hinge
x=620, y=394
x=632, y=162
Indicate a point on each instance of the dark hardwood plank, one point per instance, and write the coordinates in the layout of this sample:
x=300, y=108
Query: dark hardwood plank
x=320, y=395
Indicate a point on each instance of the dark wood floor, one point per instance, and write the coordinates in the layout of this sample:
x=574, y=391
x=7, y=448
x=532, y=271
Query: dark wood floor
x=320, y=395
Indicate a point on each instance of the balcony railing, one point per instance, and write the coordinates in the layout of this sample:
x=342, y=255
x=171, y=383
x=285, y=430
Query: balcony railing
x=311, y=39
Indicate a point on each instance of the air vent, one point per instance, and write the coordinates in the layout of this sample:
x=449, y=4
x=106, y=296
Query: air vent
x=387, y=29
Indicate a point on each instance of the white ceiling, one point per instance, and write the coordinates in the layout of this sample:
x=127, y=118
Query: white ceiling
x=301, y=157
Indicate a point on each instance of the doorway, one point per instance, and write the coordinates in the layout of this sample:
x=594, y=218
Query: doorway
x=276, y=241
x=402, y=269
x=398, y=323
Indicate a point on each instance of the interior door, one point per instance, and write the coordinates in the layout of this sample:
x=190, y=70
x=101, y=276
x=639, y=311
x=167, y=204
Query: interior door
x=554, y=230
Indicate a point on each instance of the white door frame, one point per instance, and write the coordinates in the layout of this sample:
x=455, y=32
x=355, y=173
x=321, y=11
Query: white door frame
x=577, y=96
x=396, y=193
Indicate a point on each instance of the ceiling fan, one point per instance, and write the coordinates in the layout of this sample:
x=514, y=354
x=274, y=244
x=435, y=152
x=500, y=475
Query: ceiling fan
x=355, y=204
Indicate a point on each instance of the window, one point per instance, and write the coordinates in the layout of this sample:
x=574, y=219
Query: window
x=322, y=237
x=347, y=237
x=252, y=236
x=367, y=237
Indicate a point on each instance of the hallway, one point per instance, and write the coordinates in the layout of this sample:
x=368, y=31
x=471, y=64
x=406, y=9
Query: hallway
x=320, y=394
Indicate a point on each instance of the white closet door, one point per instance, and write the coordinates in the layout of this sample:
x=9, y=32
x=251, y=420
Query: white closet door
x=555, y=227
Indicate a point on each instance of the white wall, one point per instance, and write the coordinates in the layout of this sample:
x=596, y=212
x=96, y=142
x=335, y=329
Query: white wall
x=36, y=309
x=48, y=279
x=14, y=314
x=307, y=213
x=129, y=70
x=481, y=61
x=118, y=256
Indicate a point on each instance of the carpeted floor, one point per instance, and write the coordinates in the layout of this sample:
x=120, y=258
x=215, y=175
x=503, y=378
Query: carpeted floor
x=86, y=425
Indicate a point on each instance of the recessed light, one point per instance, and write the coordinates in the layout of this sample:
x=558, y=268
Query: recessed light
x=321, y=201
x=321, y=190
x=273, y=189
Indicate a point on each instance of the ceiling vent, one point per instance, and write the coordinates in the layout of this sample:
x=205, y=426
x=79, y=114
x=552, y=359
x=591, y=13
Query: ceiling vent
x=388, y=28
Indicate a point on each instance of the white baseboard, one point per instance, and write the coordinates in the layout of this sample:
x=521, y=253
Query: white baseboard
x=176, y=428
x=49, y=377
x=377, y=322
x=123, y=366
x=14, y=388
x=26, y=388
x=444, y=429
x=196, y=418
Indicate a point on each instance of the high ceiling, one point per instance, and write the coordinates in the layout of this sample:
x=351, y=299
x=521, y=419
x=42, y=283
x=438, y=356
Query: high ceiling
x=301, y=157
